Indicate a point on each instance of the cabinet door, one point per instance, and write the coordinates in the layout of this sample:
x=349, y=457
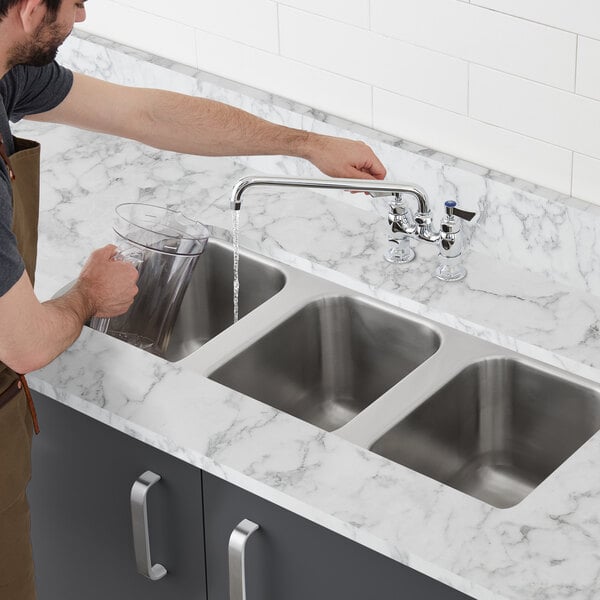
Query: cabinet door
x=83, y=472
x=290, y=558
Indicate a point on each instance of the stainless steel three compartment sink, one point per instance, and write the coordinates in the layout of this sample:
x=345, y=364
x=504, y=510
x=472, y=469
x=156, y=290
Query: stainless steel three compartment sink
x=330, y=360
x=206, y=309
x=467, y=413
x=496, y=430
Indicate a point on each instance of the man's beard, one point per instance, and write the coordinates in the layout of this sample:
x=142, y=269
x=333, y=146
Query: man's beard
x=42, y=49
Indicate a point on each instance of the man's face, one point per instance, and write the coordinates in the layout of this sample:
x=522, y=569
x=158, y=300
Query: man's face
x=43, y=45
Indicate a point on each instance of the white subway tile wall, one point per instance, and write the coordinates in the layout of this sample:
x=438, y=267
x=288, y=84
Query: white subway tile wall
x=588, y=71
x=586, y=178
x=354, y=12
x=511, y=85
x=377, y=60
x=481, y=36
x=345, y=97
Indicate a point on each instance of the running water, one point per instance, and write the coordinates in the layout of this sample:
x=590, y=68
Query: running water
x=236, y=265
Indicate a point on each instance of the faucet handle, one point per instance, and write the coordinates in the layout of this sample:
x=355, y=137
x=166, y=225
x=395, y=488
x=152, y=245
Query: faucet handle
x=400, y=216
x=451, y=210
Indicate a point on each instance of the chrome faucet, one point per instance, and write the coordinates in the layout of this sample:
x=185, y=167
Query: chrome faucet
x=404, y=224
x=449, y=238
x=374, y=188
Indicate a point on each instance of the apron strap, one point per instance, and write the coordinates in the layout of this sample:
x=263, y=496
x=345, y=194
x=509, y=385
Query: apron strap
x=5, y=159
x=30, y=404
x=17, y=384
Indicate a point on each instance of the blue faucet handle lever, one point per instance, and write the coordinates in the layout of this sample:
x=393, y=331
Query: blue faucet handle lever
x=451, y=209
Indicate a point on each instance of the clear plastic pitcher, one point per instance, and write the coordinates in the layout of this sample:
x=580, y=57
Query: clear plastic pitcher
x=164, y=245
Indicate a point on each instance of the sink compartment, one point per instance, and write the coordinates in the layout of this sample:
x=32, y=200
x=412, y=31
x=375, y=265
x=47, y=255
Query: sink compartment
x=207, y=307
x=496, y=430
x=330, y=360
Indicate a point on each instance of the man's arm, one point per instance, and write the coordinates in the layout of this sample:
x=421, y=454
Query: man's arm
x=34, y=333
x=191, y=125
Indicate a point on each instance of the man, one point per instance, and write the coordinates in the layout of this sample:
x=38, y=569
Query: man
x=32, y=334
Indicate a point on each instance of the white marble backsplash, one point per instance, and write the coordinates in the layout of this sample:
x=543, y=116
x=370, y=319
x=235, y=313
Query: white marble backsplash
x=517, y=223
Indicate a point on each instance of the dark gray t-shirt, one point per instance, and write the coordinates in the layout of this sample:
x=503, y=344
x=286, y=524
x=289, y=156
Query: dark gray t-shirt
x=23, y=91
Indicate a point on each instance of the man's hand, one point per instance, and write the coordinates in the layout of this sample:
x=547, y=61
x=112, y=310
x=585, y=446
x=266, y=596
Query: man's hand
x=339, y=157
x=33, y=333
x=108, y=285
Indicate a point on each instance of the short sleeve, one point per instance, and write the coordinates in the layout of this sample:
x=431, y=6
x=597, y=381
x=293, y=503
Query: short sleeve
x=36, y=89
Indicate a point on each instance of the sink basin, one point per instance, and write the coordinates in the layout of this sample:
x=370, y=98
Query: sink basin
x=207, y=307
x=496, y=430
x=330, y=360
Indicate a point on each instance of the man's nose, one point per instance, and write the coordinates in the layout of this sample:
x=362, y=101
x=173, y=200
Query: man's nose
x=80, y=15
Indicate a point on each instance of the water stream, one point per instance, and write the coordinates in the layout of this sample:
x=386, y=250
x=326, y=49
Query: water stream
x=236, y=264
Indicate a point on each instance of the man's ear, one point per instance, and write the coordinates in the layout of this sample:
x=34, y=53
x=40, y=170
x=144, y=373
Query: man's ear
x=31, y=13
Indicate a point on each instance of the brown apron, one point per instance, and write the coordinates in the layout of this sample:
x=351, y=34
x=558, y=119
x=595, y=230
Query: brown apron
x=17, y=578
x=24, y=168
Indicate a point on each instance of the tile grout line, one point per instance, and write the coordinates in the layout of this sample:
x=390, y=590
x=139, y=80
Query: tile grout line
x=278, y=29
x=576, y=64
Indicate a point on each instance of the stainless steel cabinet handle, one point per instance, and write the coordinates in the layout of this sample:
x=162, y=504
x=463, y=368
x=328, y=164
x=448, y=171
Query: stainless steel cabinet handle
x=237, y=559
x=139, y=522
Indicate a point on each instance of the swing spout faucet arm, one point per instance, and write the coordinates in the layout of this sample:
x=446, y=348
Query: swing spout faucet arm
x=374, y=188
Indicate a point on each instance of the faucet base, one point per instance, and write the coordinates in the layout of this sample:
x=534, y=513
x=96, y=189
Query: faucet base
x=450, y=272
x=399, y=251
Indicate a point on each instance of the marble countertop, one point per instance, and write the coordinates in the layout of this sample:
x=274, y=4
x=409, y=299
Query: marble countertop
x=545, y=547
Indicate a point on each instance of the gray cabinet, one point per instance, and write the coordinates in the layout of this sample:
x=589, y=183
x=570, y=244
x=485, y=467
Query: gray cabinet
x=83, y=472
x=290, y=558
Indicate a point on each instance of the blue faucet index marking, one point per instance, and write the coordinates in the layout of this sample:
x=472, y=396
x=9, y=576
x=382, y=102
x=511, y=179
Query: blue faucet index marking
x=450, y=203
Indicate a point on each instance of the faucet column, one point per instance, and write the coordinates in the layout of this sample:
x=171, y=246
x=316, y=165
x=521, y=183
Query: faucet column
x=403, y=226
x=450, y=267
